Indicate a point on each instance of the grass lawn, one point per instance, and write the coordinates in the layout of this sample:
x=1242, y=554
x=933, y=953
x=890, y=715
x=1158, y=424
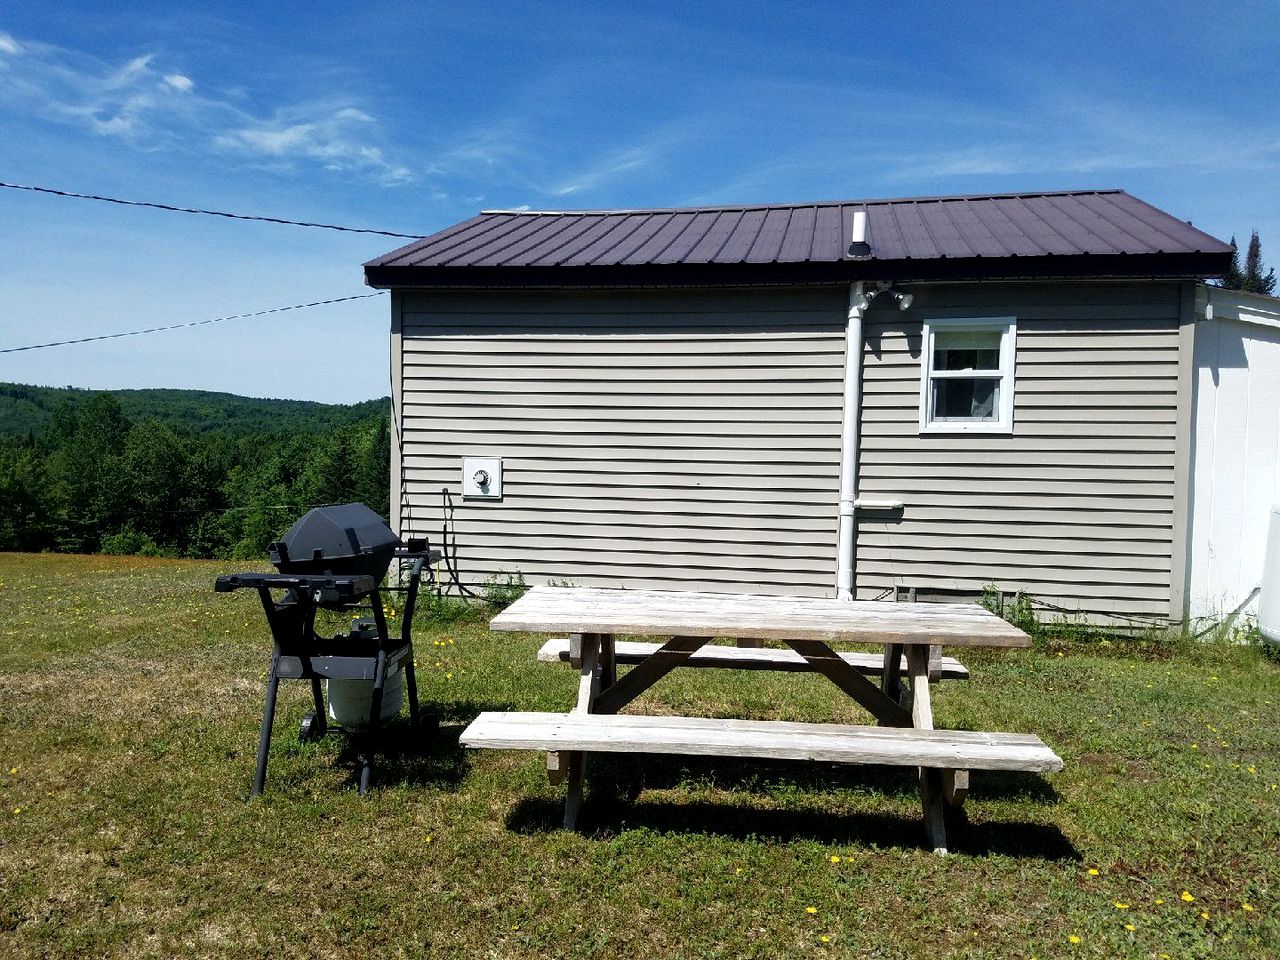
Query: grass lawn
x=130, y=697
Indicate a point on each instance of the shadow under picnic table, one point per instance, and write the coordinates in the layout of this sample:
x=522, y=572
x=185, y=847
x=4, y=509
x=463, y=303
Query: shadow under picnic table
x=615, y=804
x=630, y=774
x=604, y=817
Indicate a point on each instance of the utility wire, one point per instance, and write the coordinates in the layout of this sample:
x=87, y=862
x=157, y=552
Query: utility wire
x=193, y=323
x=207, y=213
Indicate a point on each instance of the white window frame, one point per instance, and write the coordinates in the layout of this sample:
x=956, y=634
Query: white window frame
x=1008, y=329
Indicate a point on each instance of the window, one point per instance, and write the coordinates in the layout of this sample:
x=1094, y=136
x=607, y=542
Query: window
x=966, y=381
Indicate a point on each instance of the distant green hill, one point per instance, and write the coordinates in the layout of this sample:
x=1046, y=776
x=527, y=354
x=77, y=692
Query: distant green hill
x=26, y=409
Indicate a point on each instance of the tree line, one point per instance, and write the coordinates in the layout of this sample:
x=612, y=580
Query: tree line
x=1251, y=278
x=94, y=480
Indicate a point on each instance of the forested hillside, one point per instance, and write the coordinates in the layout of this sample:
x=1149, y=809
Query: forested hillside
x=28, y=409
x=210, y=475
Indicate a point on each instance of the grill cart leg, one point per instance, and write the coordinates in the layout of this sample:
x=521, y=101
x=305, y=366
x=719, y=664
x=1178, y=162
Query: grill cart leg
x=375, y=718
x=411, y=686
x=315, y=724
x=268, y=715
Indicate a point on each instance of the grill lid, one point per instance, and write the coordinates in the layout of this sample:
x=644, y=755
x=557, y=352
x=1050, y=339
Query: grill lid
x=345, y=539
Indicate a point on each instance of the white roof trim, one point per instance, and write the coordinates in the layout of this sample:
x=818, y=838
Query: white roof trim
x=1239, y=305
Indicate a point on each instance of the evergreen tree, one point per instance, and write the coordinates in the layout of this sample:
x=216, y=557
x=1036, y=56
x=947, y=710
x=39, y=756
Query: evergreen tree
x=1234, y=278
x=1254, y=281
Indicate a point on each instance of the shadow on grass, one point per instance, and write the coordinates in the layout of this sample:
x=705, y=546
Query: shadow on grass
x=663, y=772
x=606, y=816
x=613, y=805
x=427, y=755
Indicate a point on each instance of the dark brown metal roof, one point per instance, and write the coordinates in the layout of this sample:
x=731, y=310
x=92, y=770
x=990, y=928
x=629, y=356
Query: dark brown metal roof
x=1071, y=233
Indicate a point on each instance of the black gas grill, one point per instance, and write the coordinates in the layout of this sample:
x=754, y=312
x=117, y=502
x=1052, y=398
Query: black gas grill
x=333, y=558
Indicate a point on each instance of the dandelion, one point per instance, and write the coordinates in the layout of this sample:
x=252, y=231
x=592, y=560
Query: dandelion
x=1252, y=769
x=1130, y=927
x=834, y=858
x=1073, y=938
x=1159, y=901
x=427, y=838
x=1247, y=907
x=1093, y=871
x=1195, y=746
x=1186, y=897
x=810, y=910
x=1121, y=906
x=449, y=676
x=824, y=938
x=737, y=871
x=1204, y=914
x=17, y=810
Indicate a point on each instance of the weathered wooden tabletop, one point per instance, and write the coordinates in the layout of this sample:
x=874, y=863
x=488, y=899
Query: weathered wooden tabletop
x=748, y=617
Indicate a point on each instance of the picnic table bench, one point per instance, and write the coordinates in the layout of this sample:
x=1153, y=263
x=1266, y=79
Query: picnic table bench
x=911, y=634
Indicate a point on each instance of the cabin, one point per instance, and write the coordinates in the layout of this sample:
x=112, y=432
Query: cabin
x=921, y=397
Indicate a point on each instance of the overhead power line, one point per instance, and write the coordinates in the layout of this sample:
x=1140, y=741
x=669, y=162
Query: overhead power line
x=207, y=213
x=193, y=323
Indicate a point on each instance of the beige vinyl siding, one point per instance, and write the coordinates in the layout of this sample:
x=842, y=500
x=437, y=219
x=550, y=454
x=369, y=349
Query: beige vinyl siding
x=1077, y=506
x=649, y=439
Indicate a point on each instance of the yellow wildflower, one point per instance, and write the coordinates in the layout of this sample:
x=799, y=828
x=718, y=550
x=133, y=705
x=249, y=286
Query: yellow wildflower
x=17, y=809
x=1121, y=906
x=427, y=838
x=1204, y=914
x=1073, y=939
x=1186, y=896
x=1130, y=927
x=1158, y=901
x=834, y=858
x=824, y=938
x=1247, y=907
x=810, y=909
x=1093, y=871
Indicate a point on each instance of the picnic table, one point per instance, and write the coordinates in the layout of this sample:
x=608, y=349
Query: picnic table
x=911, y=634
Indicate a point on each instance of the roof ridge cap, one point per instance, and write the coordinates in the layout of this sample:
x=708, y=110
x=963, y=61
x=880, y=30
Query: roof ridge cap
x=866, y=201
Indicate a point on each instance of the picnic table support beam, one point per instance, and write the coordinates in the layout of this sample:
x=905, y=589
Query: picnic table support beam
x=922, y=719
x=828, y=663
x=575, y=766
x=646, y=673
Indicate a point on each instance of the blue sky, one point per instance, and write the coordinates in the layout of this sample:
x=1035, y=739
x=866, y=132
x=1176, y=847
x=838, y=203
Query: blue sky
x=409, y=117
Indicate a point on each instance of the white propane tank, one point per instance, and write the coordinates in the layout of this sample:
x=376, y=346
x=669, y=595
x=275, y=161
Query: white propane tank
x=1269, y=600
x=350, y=700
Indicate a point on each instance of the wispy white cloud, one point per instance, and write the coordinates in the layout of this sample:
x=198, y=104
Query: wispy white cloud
x=330, y=136
x=151, y=108
x=607, y=169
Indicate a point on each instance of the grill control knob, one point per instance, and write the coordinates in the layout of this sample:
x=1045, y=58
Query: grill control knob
x=481, y=478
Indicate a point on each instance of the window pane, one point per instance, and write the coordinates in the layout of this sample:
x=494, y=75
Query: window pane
x=964, y=399
x=966, y=350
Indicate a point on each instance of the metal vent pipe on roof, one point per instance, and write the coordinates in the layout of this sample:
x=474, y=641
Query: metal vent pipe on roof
x=858, y=244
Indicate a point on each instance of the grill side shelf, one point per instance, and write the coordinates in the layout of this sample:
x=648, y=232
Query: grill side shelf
x=342, y=586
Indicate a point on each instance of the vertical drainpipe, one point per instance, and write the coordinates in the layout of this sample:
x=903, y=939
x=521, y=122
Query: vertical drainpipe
x=851, y=414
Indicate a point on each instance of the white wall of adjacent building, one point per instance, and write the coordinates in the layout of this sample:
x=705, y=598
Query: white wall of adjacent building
x=1235, y=447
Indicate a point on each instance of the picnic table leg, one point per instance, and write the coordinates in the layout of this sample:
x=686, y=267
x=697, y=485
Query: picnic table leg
x=608, y=662
x=588, y=685
x=922, y=719
x=891, y=675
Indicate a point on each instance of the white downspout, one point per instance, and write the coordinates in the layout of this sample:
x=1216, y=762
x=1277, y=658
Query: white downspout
x=851, y=414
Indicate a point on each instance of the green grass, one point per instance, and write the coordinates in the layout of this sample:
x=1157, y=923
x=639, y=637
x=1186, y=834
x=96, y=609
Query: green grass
x=130, y=697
